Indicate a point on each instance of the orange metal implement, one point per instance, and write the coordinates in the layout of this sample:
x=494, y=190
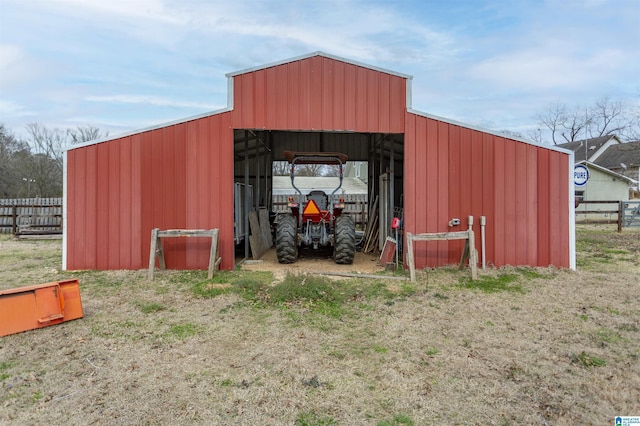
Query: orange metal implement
x=36, y=306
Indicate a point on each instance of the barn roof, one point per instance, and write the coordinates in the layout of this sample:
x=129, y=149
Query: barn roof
x=324, y=55
x=409, y=109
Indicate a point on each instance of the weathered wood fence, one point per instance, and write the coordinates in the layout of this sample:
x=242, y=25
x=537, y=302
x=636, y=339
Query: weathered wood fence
x=625, y=213
x=355, y=204
x=31, y=215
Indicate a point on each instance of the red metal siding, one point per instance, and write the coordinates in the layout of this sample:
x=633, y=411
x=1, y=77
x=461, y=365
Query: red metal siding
x=319, y=93
x=489, y=192
x=454, y=172
x=119, y=190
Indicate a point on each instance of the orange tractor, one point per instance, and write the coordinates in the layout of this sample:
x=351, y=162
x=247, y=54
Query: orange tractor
x=319, y=222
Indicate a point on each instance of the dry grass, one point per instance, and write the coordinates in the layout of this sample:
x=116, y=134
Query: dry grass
x=543, y=346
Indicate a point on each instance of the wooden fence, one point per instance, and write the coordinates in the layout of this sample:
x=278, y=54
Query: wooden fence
x=355, y=204
x=31, y=215
x=624, y=213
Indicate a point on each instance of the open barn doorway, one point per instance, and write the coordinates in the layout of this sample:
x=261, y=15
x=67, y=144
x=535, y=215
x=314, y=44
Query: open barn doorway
x=372, y=185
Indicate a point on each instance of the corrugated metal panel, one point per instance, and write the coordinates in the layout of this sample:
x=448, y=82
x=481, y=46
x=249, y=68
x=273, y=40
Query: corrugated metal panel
x=319, y=93
x=454, y=172
x=120, y=190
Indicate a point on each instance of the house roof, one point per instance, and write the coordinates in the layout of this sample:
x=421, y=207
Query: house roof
x=351, y=185
x=607, y=171
x=621, y=156
x=593, y=145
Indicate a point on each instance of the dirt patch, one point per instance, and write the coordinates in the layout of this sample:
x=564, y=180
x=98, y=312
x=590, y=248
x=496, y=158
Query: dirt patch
x=564, y=350
x=315, y=262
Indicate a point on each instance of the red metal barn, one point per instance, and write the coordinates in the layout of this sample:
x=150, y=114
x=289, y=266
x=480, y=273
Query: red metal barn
x=182, y=175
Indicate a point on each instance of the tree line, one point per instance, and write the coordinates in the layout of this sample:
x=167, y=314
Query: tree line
x=33, y=167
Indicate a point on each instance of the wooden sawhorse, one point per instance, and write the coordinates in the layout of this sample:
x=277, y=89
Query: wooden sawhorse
x=469, y=251
x=156, y=247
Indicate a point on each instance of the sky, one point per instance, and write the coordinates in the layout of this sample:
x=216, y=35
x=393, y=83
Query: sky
x=122, y=65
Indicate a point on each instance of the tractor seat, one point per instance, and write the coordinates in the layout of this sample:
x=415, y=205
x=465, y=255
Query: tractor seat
x=320, y=198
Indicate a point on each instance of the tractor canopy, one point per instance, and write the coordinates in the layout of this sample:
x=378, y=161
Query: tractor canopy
x=319, y=207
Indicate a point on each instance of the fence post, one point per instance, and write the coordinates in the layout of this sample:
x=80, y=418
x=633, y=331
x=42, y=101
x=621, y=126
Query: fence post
x=619, y=216
x=14, y=222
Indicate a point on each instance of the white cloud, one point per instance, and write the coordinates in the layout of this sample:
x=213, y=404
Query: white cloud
x=152, y=100
x=10, y=108
x=16, y=67
x=534, y=69
x=132, y=61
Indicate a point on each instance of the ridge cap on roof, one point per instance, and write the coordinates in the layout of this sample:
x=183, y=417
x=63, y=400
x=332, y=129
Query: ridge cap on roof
x=592, y=140
x=324, y=55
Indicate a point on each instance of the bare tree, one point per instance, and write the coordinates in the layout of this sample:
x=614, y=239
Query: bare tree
x=511, y=133
x=310, y=170
x=49, y=142
x=605, y=117
x=608, y=118
x=554, y=119
x=281, y=168
x=576, y=124
x=11, y=150
x=45, y=163
x=536, y=136
x=85, y=134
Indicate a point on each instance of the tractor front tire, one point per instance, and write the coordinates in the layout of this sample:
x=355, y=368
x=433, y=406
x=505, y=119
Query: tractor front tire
x=344, y=240
x=286, y=239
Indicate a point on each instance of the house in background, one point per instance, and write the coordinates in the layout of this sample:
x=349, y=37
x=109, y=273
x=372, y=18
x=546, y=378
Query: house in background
x=590, y=149
x=353, y=190
x=608, y=155
x=623, y=159
x=603, y=185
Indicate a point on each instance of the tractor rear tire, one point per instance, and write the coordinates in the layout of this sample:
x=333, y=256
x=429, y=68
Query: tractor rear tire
x=344, y=240
x=287, y=239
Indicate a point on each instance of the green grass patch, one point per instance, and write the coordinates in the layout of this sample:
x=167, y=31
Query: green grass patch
x=319, y=294
x=397, y=420
x=151, y=307
x=432, y=352
x=250, y=285
x=587, y=360
x=308, y=288
x=615, y=251
x=4, y=365
x=183, y=331
x=380, y=349
x=607, y=335
x=488, y=284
